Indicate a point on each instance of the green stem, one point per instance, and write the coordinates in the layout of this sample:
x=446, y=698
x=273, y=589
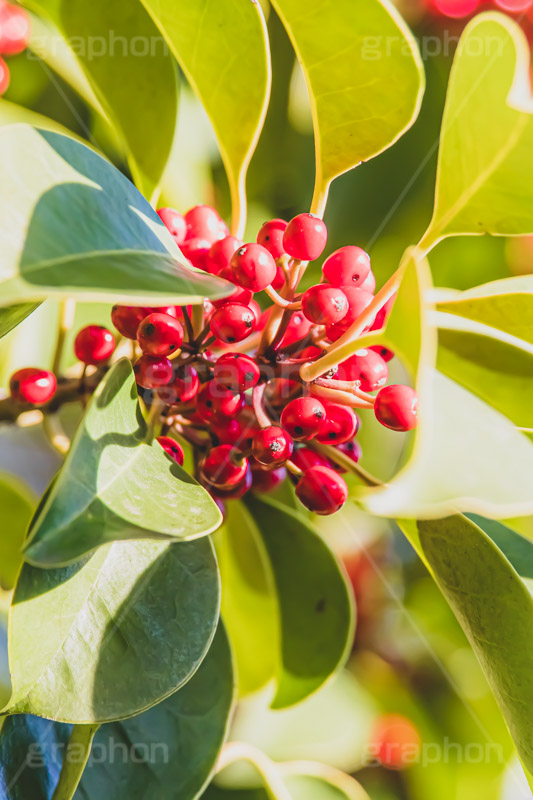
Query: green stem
x=66, y=320
x=77, y=754
x=340, y=458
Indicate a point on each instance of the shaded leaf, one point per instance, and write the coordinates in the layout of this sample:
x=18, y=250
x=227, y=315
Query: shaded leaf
x=365, y=79
x=221, y=45
x=73, y=226
x=17, y=505
x=117, y=632
x=114, y=485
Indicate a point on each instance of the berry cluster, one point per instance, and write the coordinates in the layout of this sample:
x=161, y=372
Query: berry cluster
x=226, y=377
x=14, y=37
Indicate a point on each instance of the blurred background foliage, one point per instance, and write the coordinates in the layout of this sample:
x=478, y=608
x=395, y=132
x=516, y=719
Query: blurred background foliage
x=410, y=656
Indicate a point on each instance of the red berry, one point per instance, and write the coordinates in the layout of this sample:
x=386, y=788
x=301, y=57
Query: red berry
x=253, y=267
x=175, y=222
x=183, y=387
x=5, y=76
x=151, y=372
x=232, y=431
x=384, y=352
x=272, y=446
x=382, y=315
x=94, y=344
x=32, y=385
x=160, y=334
x=221, y=467
x=324, y=305
x=322, y=490
x=394, y=741
x=233, y=492
x=340, y=426
x=299, y=326
x=369, y=284
x=233, y=322
x=365, y=366
x=197, y=251
x=14, y=29
x=216, y=401
x=305, y=458
x=237, y=372
x=279, y=281
x=305, y=237
x=349, y=266
x=172, y=449
x=127, y=319
x=203, y=222
x=352, y=449
x=396, y=407
x=266, y=480
x=271, y=236
x=220, y=254
x=239, y=294
x=303, y=418
x=358, y=300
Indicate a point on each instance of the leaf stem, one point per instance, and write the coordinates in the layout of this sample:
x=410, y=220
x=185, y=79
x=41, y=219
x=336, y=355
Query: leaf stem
x=75, y=760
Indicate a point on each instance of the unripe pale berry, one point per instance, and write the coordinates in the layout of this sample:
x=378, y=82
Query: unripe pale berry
x=340, y=426
x=349, y=266
x=322, y=490
x=32, y=385
x=203, y=222
x=221, y=468
x=160, y=334
x=233, y=322
x=367, y=367
x=272, y=446
x=305, y=237
x=152, y=372
x=220, y=253
x=396, y=407
x=174, y=222
x=14, y=29
x=271, y=236
x=253, y=267
x=172, y=448
x=237, y=372
x=324, y=305
x=94, y=344
x=303, y=418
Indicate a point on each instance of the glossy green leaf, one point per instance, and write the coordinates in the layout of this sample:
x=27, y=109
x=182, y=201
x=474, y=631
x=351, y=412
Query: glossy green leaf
x=169, y=750
x=221, y=45
x=17, y=505
x=495, y=610
x=113, y=634
x=505, y=305
x=73, y=226
x=485, y=169
x=516, y=548
x=11, y=316
x=115, y=485
x=315, y=607
x=249, y=605
x=494, y=370
x=365, y=79
x=128, y=67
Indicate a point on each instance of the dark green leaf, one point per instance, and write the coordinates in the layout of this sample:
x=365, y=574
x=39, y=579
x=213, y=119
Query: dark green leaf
x=169, y=750
x=315, y=607
x=10, y=316
x=114, y=485
x=73, y=226
x=115, y=633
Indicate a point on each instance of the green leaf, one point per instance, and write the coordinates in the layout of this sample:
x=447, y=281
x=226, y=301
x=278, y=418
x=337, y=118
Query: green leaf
x=11, y=316
x=221, y=45
x=114, y=485
x=249, y=605
x=17, y=506
x=129, y=68
x=495, y=610
x=365, y=79
x=169, y=750
x=485, y=169
x=73, y=226
x=505, y=305
x=516, y=549
x=315, y=607
x=113, y=634
x=494, y=370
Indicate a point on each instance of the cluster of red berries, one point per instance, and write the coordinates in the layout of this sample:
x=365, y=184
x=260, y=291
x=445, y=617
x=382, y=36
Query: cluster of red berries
x=14, y=37
x=459, y=9
x=249, y=416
